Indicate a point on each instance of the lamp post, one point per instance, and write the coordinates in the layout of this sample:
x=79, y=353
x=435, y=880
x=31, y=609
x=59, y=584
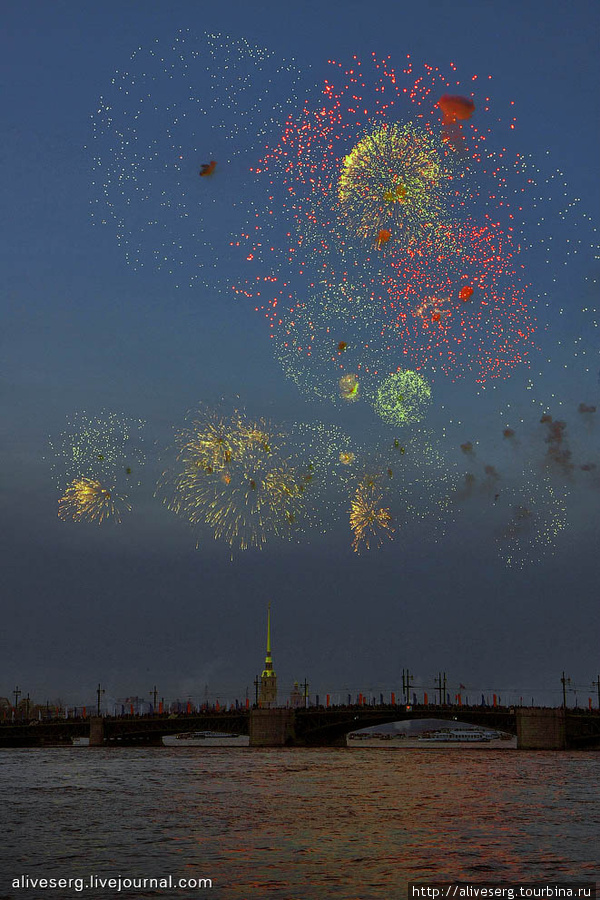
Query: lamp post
x=99, y=692
x=441, y=685
x=407, y=680
x=256, y=687
x=565, y=682
x=305, y=686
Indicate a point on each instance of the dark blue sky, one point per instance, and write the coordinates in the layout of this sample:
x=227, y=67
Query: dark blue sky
x=137, y=604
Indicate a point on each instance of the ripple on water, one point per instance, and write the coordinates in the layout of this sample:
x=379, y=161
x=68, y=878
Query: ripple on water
x=301, y=823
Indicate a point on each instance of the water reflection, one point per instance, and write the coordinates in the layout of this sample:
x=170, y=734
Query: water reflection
x=301, y=823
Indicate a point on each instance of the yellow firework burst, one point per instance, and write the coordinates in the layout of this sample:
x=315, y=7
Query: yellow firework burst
x=232, y=475
x=369, y=520
x=249, y=505
x=348, y=385
x=97, y=464
x=209, y=444
x=256, y=437
x=88, y=500
x=397, y=179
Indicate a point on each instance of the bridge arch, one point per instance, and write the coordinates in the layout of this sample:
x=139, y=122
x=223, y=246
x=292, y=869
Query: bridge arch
x=331, y=727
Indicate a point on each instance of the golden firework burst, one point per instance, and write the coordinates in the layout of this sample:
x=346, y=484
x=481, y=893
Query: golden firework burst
x=233, y=476
x=396, y=181
x=88, y=500
x=369, y=520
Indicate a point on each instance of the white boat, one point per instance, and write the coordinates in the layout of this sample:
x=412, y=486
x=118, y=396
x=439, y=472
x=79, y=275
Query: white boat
x=202, y=735
x=459, y=735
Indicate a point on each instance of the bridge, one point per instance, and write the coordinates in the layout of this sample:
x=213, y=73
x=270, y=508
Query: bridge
x=536, y=728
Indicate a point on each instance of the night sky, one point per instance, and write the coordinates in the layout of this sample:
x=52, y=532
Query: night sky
x=501, y=590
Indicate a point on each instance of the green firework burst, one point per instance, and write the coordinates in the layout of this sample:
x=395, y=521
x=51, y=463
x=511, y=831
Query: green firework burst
x=403, y=398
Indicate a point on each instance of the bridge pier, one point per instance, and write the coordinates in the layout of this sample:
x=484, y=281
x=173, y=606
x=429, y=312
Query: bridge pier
x=271, y=727
x=96, y=731
x=541, y=729
x=101, y=736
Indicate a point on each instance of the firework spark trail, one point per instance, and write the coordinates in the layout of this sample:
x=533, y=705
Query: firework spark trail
x=101, y=445
x=537, y=515
x=177, y=104
x=524, y=498
x=327, y=336
x=249, y=504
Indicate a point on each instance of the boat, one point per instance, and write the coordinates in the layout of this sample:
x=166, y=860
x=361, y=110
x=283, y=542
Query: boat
x=203, y=735
x=459, y=735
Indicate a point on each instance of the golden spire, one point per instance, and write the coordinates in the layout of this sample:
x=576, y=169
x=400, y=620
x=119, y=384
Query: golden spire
x=268, y=658
x=268, y=679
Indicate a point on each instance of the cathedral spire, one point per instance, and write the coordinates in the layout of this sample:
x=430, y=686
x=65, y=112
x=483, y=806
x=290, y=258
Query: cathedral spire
x=268, y=658
x=268, y=679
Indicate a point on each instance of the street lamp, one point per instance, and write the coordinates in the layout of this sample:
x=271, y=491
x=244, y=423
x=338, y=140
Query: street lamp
x=565, y=682
x=305, y=686
x=17, y=693
x=407, y=680
x=99, y=692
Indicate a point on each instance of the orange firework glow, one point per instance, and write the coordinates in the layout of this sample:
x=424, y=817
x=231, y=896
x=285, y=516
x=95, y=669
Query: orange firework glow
x=383, y=237
x=456, y=108
x=207, y=168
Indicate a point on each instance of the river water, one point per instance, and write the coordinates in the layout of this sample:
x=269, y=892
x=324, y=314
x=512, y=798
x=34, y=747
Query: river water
x=295, y=824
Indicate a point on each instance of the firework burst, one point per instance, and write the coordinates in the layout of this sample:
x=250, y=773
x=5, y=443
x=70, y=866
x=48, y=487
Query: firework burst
x=88, y=500
x=397, y=179
x=402, y=398
x=97, y=462
x=233, y=475
x=369, y=520
x=400, y=220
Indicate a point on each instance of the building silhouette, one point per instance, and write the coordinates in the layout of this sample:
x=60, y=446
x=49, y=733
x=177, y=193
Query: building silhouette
x=296, y=697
